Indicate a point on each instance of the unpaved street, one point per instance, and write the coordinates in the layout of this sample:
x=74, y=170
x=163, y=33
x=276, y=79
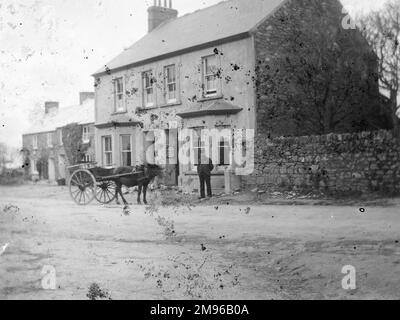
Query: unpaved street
x=208, y=252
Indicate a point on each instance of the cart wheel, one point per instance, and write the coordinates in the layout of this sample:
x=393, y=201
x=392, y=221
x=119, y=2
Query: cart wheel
x=82, y=185
x=105, y=191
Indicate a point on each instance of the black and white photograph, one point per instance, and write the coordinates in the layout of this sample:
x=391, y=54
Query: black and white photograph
x=183, y=150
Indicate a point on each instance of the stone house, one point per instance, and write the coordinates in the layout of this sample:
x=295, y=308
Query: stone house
x=203, y=70
x=46, y=155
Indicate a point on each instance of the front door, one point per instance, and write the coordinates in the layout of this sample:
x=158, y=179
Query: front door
x=52, y=170
x=172, y=166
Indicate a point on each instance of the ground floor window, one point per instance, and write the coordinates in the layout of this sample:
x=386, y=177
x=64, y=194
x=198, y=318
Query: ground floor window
x=62, y=166
x=198, y=147
x=107, y=151
x=224, y=152
x=86, y=158
x=126, y=150
x=85, y=134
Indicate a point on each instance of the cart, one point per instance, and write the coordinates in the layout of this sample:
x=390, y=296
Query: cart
x=85, y=185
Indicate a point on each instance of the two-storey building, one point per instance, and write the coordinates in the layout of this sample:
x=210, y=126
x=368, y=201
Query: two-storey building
x=198, y=71
x=44, y=145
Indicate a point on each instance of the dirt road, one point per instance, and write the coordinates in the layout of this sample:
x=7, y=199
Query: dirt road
x=208, y=252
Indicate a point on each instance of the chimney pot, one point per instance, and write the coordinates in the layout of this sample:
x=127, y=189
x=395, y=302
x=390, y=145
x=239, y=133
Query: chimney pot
x=51, y=106
x=83, y=96
x=158, y=14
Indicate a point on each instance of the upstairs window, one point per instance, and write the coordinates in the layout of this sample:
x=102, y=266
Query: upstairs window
x=170, y=84
x=85, y=134
x=34, y=167
x=60, y=137
x=50, y=140
x=107, y=151
x=119, y=103
x=35, y=142
x=148, y=90
x=210, y=70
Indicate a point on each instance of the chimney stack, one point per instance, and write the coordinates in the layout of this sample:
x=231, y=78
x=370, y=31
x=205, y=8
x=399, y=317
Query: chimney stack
x=83, y=96
x=158, y=14
x=51, y=107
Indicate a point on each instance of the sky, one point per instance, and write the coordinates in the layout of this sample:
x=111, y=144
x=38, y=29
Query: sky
x=50, y=48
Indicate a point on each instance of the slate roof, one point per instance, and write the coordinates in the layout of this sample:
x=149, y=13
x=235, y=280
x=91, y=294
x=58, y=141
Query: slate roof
x=222, y=21
x=80, y=114
x=218, y=107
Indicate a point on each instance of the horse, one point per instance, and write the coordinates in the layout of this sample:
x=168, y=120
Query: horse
x=144, y=176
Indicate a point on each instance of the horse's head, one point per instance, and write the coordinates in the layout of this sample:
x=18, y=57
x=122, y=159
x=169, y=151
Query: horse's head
x=153, y=170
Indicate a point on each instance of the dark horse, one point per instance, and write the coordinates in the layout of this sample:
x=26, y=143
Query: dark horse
x=144, y=175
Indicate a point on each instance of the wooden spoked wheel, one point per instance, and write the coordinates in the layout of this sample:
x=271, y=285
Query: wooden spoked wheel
x=82, y=187
x=105, y=191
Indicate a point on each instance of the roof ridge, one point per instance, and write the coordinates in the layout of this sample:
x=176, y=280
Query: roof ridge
x=180, y=17
x=186, y=15
x=227, y=21
x=78, y=113
x=78, y=104
x=206, y=8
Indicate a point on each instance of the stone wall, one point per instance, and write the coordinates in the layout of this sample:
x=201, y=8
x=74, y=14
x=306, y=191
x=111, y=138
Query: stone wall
x=336, y=164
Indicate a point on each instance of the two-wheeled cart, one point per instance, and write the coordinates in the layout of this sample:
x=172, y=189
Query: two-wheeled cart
x=86, y=184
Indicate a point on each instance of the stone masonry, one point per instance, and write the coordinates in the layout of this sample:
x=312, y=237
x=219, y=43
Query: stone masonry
x=367, y=162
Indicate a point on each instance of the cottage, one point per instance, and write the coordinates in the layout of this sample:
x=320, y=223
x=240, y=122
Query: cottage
x=211, y=69
x=59, y=138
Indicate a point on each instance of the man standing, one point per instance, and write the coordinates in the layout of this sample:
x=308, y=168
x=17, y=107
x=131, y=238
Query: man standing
x=204, y=171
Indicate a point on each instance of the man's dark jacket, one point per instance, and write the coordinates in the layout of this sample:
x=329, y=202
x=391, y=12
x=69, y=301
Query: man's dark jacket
x=205, y=169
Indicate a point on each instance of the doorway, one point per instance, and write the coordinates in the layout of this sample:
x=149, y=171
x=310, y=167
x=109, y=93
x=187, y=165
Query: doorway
x=172, y=163
x=52, y=170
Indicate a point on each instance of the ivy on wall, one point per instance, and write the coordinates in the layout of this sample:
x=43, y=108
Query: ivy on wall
x=73, y=145
x=42, y=162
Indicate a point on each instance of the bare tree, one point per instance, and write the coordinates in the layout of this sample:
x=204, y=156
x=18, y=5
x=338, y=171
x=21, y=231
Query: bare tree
x=382, y=31
x=3, y=156
x=7, y=156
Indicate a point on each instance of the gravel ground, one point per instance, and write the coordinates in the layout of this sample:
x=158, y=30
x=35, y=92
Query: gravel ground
x=200, y=250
